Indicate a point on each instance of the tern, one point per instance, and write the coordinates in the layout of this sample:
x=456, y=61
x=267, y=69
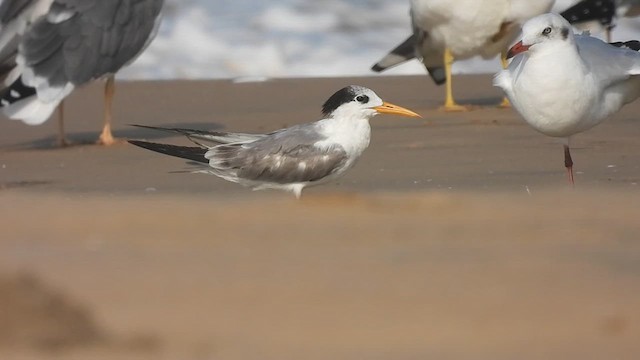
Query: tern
x=563, y=84
x=292, y=158
x=448, y=30
x=50, y=47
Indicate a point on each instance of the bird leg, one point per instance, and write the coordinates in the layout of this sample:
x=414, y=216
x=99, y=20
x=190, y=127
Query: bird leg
x=106, y=137
x=62, y=141
x=449, y=103
x=568, y=163
x=503, y=60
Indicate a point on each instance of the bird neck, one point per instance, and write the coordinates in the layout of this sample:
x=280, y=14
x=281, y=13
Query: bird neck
x=352, y=133
x=555, y=49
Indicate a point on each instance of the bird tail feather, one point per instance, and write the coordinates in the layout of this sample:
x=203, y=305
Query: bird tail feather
x=194, y=153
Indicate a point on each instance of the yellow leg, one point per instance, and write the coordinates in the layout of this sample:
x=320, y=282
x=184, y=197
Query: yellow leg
x=62, y=141
x=106, y=138
x=503, y=59
x=449, y=103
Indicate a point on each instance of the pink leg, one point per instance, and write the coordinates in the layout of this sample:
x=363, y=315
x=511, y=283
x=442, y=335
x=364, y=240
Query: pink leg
x=568, y=163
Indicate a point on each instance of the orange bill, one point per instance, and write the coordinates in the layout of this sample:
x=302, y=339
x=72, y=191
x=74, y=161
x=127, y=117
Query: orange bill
x=388, y=108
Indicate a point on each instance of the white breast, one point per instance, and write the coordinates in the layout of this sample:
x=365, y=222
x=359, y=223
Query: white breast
x=352, y=134
x=464, y=26
x=557, y=98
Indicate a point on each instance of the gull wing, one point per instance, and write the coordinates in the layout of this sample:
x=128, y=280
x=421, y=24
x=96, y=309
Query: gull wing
x=400, y=54
x=609, y=63
x=81, y=40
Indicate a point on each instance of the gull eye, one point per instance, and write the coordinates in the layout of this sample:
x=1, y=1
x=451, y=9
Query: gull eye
x=546, y=31
x=362, y=99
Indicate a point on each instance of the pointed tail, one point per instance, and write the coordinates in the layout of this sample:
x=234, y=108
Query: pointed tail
x=194, y=153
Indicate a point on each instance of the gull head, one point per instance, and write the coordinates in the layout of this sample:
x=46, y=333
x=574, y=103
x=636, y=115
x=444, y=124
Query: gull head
x=359, y=102
x=542, y=29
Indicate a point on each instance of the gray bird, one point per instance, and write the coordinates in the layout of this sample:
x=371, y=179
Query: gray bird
x=291, y=158
x=50, y=47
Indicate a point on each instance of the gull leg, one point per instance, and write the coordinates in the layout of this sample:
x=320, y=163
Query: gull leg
x=62, y=141
x=568, y=163
x=503, y=60
x=608, y=34
x=449, y=103
x=106, y=138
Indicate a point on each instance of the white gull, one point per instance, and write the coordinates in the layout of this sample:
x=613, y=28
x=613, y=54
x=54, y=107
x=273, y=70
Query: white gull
x=563, y=84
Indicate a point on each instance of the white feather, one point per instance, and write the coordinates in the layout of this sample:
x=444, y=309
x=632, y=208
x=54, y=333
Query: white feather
x=60, y=17
x=31, y=111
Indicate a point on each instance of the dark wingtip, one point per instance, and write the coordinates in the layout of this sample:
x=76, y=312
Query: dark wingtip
x=632, y=45
x=151, y=127
x=194, y=153
x=437, y=75
x=404, y=51
x=602, y=11
x=139, y=143
x=377, y=68
x=16, y=92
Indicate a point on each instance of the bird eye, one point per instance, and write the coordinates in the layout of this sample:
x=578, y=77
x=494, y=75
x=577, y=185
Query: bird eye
x=362, y=98
x=546, y=31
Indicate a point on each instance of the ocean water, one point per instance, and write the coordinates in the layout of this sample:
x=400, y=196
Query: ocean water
x=258, y=39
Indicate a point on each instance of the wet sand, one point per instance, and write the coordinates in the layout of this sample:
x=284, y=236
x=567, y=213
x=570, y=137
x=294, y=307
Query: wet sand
x=455, y=237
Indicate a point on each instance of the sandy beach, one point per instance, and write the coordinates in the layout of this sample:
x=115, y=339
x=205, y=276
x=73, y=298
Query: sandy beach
x=456, y=236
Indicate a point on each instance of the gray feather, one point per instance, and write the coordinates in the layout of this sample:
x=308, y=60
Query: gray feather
x=400, y=54
x=9, y=10
x=97, y=38
x=416, y=44
x=281, y=167
x=288, y=156
x=214, y=136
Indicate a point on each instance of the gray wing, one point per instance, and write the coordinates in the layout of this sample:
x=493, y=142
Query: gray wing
x=213, y=136
x=608, y=63
x=11, y=9
x=417, y=43
x=287, y=156
x=81, y=40
x=12, y=12
x=400, y=54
